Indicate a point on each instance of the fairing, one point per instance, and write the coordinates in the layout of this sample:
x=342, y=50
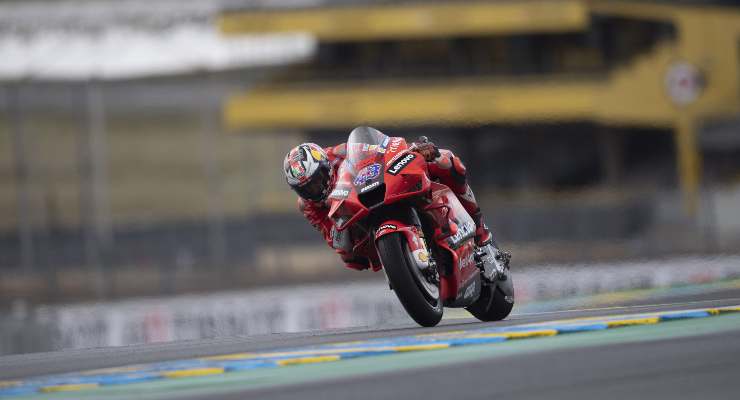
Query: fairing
x=380, y=171
x=364, y=181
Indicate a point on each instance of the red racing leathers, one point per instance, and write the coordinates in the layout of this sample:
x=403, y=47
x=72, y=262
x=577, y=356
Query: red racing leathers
x=446, y=168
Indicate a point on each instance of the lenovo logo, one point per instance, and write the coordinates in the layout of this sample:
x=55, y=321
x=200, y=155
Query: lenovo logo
x=401, y=163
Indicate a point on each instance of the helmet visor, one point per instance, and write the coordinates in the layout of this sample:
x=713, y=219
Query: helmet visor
x=316, y=187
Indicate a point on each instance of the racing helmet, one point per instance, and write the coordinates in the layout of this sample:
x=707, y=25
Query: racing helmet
x=308, y=172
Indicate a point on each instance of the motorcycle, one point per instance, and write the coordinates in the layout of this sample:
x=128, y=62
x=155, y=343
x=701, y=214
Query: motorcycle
x=385, y=207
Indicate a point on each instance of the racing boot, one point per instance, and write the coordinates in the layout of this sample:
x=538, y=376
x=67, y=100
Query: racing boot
x=493, y=261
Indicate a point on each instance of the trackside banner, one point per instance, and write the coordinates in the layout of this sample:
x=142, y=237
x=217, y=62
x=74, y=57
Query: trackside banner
x=318, y=307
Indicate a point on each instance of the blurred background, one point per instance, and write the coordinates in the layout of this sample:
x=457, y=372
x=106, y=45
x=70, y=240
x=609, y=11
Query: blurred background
x=141, y=191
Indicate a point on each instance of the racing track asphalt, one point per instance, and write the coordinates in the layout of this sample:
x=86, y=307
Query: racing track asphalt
x=35, y=364
x=705, y=366
x=696, y=367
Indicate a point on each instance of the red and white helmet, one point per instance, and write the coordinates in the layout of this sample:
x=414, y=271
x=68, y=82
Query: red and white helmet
x=308, y=172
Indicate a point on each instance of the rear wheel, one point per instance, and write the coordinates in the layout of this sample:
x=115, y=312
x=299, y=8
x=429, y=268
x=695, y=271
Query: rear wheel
x=418, y=294
x=493, y=304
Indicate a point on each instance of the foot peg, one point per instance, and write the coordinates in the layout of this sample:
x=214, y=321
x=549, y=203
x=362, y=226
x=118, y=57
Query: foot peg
x=504, y=257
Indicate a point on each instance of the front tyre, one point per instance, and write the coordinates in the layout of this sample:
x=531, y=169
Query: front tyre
x=419, y=296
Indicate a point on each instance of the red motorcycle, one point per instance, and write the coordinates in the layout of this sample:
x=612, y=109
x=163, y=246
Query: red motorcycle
x=386, y=208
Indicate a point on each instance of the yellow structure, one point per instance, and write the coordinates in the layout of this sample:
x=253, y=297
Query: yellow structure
x=415, y=20
x=677, y=85
x=708, y=40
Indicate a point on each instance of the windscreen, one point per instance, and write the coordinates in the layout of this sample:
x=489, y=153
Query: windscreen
x=364, y=143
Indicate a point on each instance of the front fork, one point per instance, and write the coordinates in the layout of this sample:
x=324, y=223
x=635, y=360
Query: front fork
x=414, y=233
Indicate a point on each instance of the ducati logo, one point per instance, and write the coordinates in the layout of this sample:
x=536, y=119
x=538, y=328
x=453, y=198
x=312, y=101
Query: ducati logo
x=370, y=187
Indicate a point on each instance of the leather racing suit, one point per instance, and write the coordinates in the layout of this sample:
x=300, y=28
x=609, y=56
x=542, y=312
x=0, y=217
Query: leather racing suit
x=443, y=166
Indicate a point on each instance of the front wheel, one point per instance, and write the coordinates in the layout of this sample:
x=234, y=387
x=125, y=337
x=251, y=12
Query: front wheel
x=418, y=295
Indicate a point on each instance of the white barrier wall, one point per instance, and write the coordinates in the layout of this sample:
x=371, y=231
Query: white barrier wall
x=292, y=309
x=317, y=307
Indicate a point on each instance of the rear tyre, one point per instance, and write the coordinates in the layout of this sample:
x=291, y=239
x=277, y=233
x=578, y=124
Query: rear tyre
x=492, y=305
x=420, y=303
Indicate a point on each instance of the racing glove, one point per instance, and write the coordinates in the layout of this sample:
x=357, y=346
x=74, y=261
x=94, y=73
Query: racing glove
x=318, y=215
x=427, y=149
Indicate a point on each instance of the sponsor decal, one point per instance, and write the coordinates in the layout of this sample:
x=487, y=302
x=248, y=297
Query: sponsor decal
x=388, y=227
x=295, y=164
x=401, y=163
x=297, y=169
x=372, y=147
x=385, y=228
x=339, y=193
x=395, y=143
x=297, y=155
x=367, y=174
x=384, y=145
x=395, y=158
x=421, y=256
x=354, y=147
x=370, y=187
x=464, y=232
x=467, y=261
x=315, y=154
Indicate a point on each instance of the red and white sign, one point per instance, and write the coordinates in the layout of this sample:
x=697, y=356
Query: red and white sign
x=684, y=83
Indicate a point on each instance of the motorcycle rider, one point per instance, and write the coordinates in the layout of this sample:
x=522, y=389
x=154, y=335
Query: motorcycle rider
x=311, y=171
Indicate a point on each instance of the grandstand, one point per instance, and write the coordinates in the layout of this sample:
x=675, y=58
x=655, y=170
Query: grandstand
x=616, y=64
